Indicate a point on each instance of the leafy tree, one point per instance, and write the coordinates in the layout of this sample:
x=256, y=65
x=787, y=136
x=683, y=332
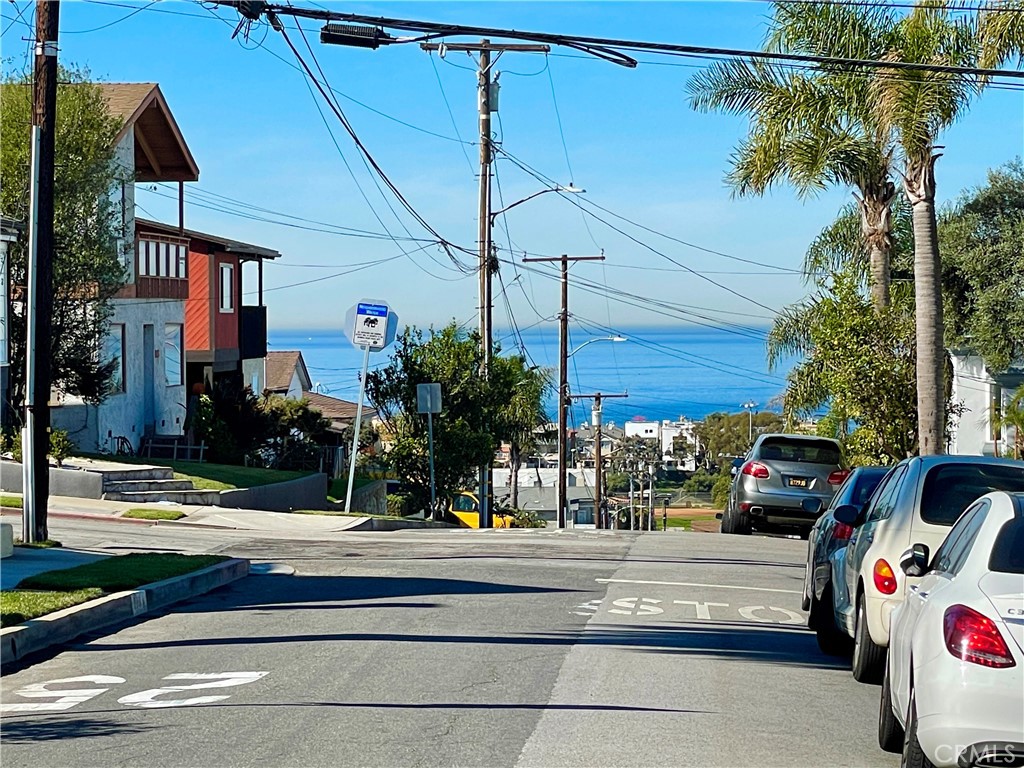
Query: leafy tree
x=521, y=412
x=982, y=240
x=818, y=129
x=724, y=435
x=1013, y=416
x=293, y=431
x=88, y=235
x=476, y=414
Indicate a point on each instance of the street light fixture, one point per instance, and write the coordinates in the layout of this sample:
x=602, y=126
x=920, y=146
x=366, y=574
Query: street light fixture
x=592, y=341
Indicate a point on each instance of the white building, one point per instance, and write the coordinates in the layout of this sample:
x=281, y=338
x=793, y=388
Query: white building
x=664, y=433
x=147, y=325
x=984, y=395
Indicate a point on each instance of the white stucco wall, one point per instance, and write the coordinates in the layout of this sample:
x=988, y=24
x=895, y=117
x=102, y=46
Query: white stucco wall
x=973, y=387
x=254, y=374
x=295, y=387
x=646, y=429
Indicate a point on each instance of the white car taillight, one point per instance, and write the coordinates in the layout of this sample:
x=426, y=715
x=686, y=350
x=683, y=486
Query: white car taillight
x=974, y=637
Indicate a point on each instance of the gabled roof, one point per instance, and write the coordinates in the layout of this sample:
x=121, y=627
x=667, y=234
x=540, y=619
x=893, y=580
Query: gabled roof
x=281, y=366
x=246, y=251
x=161, y=153
x=335, y=409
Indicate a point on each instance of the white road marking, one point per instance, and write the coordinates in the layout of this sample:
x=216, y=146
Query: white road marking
x=147, y=699
x=702, y=608
x=694, y=584
x=636, y=606
x=749, y=612
x=65, y=699
x=588, y=609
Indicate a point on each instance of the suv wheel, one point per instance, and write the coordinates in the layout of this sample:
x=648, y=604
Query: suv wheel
x=831, y=640
x=868, y=658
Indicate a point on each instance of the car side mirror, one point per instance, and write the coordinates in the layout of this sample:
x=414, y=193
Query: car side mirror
x=915, y=560
x=847, y=514
x=812, y=506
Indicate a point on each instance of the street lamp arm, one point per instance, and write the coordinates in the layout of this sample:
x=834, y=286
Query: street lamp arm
x=573, y=190
x=593, y=341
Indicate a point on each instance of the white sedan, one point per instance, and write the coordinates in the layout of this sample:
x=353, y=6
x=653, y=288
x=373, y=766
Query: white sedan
x=953, y=692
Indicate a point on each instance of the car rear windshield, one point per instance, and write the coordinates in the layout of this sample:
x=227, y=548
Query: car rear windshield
x=812, y=451
x=950, y=488
x=867, y=480
x=1008, y=551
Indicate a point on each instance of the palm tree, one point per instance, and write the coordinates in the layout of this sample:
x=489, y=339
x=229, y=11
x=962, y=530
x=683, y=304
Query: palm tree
x=916, y=106
x=522, y=413
x=815, y=129
x=1013, y=416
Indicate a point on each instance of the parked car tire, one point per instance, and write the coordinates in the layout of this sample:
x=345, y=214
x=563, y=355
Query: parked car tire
x=913, y=755
x=831, y=640
x=890, y=732
x=868, y=658
x=743, y=527
x=728, y=521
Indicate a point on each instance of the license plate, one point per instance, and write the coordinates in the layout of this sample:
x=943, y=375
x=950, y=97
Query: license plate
x=798, y=482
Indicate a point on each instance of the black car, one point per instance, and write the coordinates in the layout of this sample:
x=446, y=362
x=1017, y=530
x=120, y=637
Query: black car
x=827, y=537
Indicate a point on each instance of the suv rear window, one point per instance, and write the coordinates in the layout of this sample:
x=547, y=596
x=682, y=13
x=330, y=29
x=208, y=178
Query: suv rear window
x=811, y=451
x=950, y=488
x=1008, y=551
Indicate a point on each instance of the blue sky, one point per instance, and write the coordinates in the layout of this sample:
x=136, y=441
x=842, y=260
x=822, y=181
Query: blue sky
x=630, y=140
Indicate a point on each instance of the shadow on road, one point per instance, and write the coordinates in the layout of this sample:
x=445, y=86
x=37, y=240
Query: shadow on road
x=55, y=728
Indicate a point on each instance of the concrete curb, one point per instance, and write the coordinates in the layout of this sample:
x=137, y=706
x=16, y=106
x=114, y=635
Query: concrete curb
x=62, y=626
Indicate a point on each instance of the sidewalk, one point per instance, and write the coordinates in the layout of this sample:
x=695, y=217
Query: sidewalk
x=29, y=561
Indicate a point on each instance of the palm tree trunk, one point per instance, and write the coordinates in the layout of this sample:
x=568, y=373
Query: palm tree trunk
x=876, y=226
x=931, y=400
x=515, y=459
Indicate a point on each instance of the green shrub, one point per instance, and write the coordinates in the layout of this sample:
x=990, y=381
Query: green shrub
x=616, y=481
x=11, y=444
x=700, y=482
x=720, y=490
x=399, y=504
x=60, y=446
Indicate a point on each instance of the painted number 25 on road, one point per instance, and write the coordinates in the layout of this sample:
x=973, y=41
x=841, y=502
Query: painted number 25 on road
x=77, y=692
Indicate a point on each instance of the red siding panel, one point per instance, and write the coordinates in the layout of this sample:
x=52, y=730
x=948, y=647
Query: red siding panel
x=198, y=335
x=226, y=323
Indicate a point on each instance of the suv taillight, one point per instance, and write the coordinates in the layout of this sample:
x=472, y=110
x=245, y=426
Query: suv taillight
x=972, y=637
x=837, y=477
x=885, y=579
x=756, y=469
x=842, y=532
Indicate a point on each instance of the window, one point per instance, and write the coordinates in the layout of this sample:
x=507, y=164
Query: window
x=113, y=350
x=885, y=501
x=950, y=488
x=811, y=451
x=227, y=287
x=182, y=261
x=158, y=258
x=951, y=556
x=1008, y=551
x=172, y=354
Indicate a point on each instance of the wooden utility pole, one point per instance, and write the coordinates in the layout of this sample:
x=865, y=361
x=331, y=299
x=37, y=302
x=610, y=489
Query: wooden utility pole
x=563, y=378
x=36, y=434
x=486, y=103
x=596, y=422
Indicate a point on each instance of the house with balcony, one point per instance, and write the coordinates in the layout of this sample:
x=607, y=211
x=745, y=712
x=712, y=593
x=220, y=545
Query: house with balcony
x=179, y=321
x=147, y=392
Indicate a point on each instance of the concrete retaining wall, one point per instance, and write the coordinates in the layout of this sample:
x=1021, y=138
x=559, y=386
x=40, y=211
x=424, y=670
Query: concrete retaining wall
x=371, y=499
x=304, y=493
x=63, y=482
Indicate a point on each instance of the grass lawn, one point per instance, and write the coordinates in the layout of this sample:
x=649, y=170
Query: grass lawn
x=154, y=514
x=339, y=486
x=686, y=523
x=45, y=544
x=115, y=574
x=18, y=605
x=211, y=477
x=10, y=501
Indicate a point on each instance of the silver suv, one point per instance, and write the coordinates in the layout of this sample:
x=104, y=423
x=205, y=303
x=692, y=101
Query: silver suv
x=774, y=479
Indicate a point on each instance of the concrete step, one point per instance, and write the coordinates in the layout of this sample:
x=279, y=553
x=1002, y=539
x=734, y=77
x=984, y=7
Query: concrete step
x=201, y=498
x=142, y=473
x=120, y=486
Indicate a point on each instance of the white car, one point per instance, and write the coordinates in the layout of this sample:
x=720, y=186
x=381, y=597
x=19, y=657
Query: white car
x=917, y=502
x=953, y=692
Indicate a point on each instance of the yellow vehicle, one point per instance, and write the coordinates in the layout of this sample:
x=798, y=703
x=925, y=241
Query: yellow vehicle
x=465, y=508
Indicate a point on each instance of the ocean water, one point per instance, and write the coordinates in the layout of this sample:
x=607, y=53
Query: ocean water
x=667, y=372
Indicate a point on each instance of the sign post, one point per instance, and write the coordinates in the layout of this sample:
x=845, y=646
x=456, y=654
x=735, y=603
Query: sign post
x=428, y=401
x=371, y=326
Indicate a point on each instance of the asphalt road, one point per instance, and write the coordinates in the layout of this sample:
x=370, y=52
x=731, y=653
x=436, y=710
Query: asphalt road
x=468, y=648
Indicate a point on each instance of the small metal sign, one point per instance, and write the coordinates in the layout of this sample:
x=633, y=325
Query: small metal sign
x=428, y=398
x=371, y=325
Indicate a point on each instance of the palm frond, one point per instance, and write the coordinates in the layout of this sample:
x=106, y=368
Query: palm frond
x=1001, y=29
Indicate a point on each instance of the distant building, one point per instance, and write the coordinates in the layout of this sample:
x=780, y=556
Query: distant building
x=984, y=395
